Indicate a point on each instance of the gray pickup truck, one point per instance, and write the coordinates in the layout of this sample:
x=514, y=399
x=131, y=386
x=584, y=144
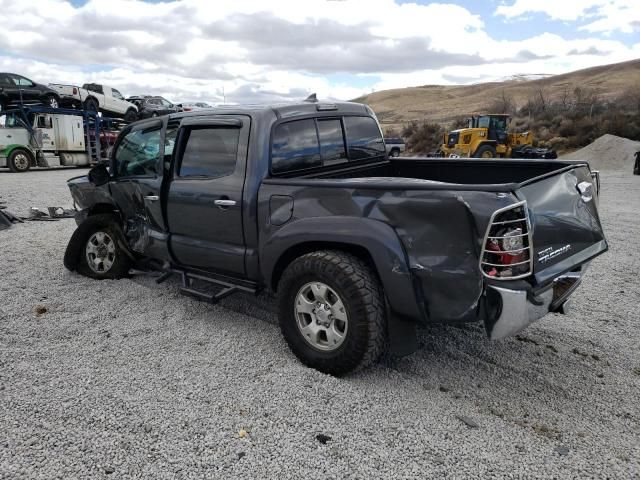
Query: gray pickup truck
x=301, y=200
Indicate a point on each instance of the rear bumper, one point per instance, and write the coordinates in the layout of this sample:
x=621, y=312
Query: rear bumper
x=514, y=310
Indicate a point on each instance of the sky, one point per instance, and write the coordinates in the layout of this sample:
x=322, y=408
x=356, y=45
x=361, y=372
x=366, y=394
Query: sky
x=258, y=51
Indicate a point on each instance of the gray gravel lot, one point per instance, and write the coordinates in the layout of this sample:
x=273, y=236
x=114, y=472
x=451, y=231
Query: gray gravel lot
x=129, y=379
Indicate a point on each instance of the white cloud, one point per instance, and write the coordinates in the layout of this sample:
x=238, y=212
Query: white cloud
x=604, y=16
x=258, y=51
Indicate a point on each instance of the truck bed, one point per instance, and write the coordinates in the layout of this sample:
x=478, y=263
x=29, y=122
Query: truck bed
x=459, y=171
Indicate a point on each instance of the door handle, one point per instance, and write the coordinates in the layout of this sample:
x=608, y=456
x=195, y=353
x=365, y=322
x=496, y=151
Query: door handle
x=225, y=203
x=152, y=198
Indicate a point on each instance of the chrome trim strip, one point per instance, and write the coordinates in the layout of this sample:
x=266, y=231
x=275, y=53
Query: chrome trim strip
x=504, y=264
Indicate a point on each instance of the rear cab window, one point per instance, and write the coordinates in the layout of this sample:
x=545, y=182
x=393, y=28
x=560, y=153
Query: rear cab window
x=311, y=143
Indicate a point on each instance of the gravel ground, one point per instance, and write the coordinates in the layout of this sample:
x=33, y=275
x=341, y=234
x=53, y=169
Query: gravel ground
x=129, y=379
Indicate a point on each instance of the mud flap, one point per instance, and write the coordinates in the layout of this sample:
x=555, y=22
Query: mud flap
x=403, y=336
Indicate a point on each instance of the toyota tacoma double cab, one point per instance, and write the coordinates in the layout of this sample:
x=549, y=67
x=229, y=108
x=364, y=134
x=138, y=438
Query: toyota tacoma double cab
x=302, y=201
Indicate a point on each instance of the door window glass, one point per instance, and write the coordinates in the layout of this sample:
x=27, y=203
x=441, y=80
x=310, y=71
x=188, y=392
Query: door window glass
x=4, y=80
x=164, y=102
x=331, y=142
x=117, y=94
x=483, y=122
x=295, y=147
x=138, y=153
x=209, y=152
x=21, y=81
x=364, y=139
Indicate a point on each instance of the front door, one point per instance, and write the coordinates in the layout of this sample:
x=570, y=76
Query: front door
x=137, y=164
x=204, y=205
x=25, y=89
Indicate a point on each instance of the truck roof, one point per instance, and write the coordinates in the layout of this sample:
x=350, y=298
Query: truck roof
x=285, y=110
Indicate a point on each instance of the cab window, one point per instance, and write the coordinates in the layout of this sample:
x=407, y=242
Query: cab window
x=117, y=94
x=209, y=151
x=364, y=139
x=295, y=147
x=138, y=153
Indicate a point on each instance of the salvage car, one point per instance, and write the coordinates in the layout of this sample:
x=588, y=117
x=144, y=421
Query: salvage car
x=18, y=90
x=95, y=97
x=302, y=201
x=193, y=106
x=153, y=106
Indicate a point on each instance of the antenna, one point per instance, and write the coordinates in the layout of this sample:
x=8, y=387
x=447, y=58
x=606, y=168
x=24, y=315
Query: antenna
x=311, y=98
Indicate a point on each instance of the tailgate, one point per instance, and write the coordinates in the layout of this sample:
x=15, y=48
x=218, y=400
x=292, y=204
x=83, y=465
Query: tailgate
x=65, y=90
x=566, y=229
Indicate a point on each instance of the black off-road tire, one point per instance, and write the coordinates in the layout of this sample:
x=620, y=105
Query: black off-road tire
x=76, y=257
x=484, y=151
x=90, y=105
x=130, y=116
x=17, y=166
x=363, y=297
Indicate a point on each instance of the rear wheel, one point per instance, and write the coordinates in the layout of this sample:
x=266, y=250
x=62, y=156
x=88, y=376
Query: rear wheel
x=90, y=105
x=131, y=115
x=485, y=151
x=394, y=153
x=332, y=311
x=19, y=160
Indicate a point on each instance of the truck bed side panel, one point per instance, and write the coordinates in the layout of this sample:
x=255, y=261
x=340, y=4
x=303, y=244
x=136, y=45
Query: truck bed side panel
x=436, y=229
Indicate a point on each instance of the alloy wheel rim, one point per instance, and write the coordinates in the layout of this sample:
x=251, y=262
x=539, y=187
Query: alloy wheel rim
x=100, y=252
x=21, y=161
x=321, y=316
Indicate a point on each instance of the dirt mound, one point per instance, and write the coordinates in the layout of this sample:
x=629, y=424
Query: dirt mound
x=608, y=152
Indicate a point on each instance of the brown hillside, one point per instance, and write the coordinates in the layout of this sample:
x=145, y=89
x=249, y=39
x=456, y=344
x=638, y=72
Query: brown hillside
x=441, y=103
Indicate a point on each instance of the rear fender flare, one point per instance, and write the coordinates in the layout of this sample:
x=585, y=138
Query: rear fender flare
x=378, y=239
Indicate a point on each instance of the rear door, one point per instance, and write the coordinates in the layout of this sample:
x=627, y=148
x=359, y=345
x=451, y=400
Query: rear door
x=137, y=186
x=566, y=228
x=204, y=204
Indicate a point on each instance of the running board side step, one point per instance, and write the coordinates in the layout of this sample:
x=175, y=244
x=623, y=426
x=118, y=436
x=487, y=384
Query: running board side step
x=227, y=285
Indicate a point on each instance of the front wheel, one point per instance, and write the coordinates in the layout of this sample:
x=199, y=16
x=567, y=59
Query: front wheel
x=332, y=311
x=19, y=160
x=101, y=253
x=52, y=101
x=485, y=151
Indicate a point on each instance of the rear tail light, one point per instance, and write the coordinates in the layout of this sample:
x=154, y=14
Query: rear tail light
x=507, y=248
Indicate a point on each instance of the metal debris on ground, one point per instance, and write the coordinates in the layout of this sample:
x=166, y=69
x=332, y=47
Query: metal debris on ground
x=54, y=213
x=7, y=219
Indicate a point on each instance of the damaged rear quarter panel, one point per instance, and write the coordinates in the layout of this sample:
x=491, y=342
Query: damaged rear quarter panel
x=442, y=233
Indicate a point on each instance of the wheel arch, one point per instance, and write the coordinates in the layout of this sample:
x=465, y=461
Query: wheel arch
x=370, y=240
x=491, y=143
x=9, y=149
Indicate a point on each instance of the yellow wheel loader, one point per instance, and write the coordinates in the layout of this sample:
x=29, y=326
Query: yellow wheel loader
x=487, y=136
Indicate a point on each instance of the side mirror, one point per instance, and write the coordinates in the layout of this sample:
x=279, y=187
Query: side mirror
x=99, y=175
